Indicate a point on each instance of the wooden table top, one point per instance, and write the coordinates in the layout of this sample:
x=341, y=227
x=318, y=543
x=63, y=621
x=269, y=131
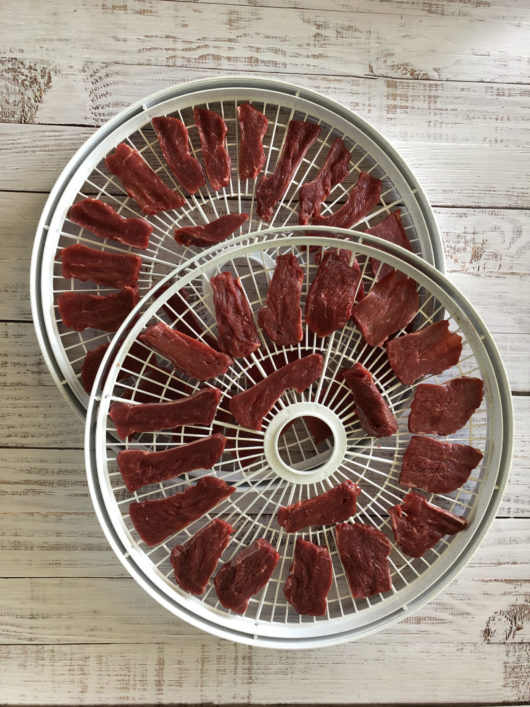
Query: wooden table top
x=448, y=83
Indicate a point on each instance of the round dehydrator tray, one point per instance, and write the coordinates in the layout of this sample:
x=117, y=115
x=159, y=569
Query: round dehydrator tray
x=270, y=470
x=86, y=176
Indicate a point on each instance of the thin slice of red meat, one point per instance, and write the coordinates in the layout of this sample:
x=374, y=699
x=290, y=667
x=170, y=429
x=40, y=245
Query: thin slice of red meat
x=331, y=295
x=361, y=200
x=300, y=136
x=391, y=230
x=307, y=586
x=375, y=416
x=189, y=355
x=195, y=561
x=339, y=503
x=196, y=409
x=418, y=525
x=172, y=136
x=252, y=128
x=244, y=576
x=156, y=520
x=140, y=468
x=432, y=350
x=437, y=467
x=132, y=364
x=103, y=221
x=80, y=310
x=332, y=172
x=250, y=407
x=237, y=334
x=364, y=552
x=389, y=306
x=140, y=182
x=281, y=315
x=209, y=233
x=444, y=409
x=212, y=133
x=112, y=269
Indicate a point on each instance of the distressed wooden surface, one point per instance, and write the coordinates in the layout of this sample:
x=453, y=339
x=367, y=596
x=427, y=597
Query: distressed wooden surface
x=448, y=84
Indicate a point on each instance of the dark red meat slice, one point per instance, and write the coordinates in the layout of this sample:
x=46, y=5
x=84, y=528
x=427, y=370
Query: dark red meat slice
x=246, y=575
x=332, y=172
x=300, y=136
x=140, y=182
x=418, y=525
x=195, y=561
x=444, y=409
x=173, y=139
x=389, y=306
x=281, y=315
x=237, y=334
x=213, y=232
x=339, y=503
x=364, y=552
x=437, y=467
x=140, y=468
x=307, y=586
x=331, y=295
x=196, y=409
x=131, y=364
x=212, y=133
x=375, y=416
x=252, y=129
x=80, y=310
x=391, y=230
x=429, y=350
x=189, y=355
x=158, y=519
x=103, y=221
x=362, y=199
x=250, y=407
x=112, y=269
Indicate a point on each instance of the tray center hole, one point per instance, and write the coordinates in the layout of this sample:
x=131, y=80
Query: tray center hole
x=305, y=443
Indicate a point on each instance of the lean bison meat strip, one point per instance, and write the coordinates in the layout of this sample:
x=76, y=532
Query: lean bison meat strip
x=362, y=199
x=172, y=136
x=80, y=310
x=307, y=586
x=252, y=128
x=250, y=407
x=444, y=409
x=212, y=133
x=364, y=552
x=101, y=220
x=332, y=172
x=281, y=315
x=241, y=578
x=140, y=182
x=339, y=503
x=374, y=414
x=237, y=333
x=418, y=525
x=158, y=519
x=213, y=232
x=112, y=269
x=437, y=467
x=391, y=230
x=300, y=136
x=195, y=561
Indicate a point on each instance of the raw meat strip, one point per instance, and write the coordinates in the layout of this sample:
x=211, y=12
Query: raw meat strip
x=158, y=519
x=212, y=133
x=362, y=199
x=281, y=315
x=418, y=525
x=250, y=407
x=246, y=575
x=332, y=172
x=103, y=221
x=307, y=586
x=140, y=468
x=300, y=136
x=437, y=467
x=389, y=306
x=339, y=503
x=331, y=296
x=444, y=409
x=195, y=561
x=374, y=413
x=112, y=269
x=189, y=355
x=131, y=364
x=364, y=552
x=391, y=230
x=80, y=310
x=237, y=333
x=213, y=232
x=172, y=136
x=252, y=127
x=429, y=350
x=196, y=409
x=140, y=182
